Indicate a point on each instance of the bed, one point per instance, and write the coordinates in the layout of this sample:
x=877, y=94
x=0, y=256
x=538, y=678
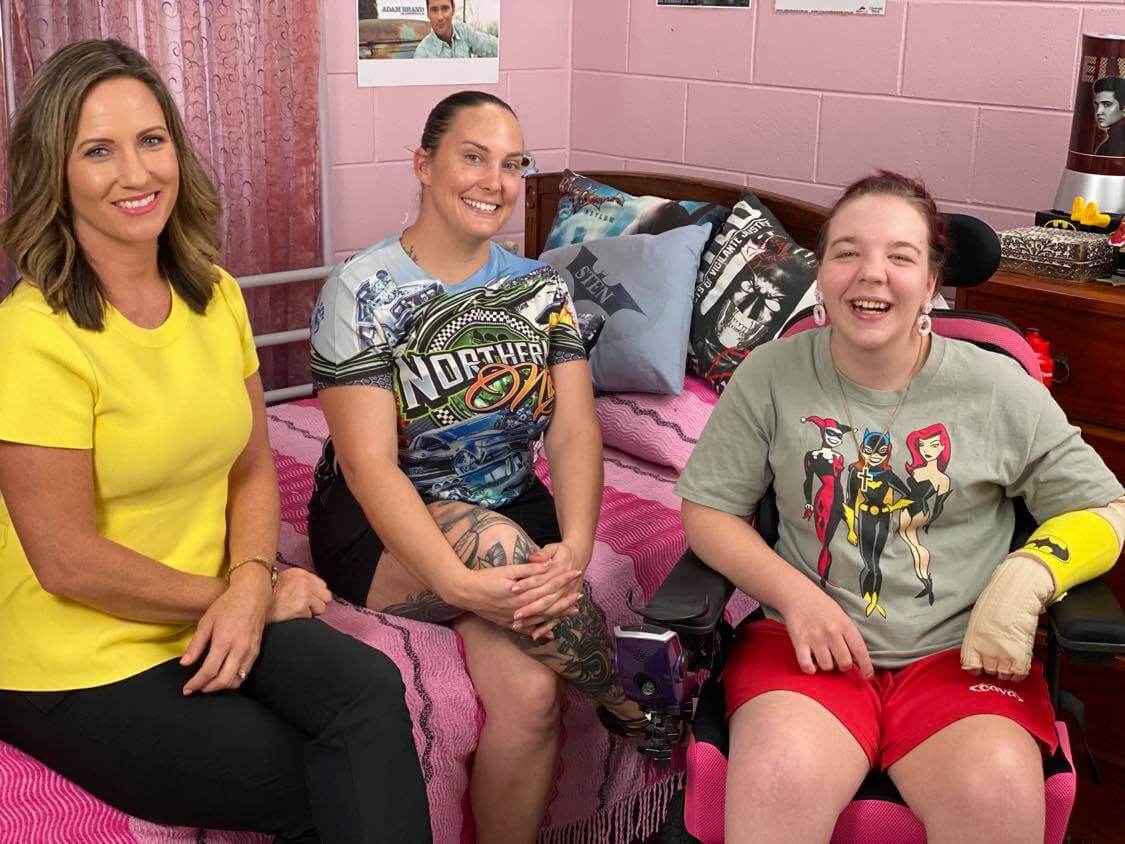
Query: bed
x=604, y=790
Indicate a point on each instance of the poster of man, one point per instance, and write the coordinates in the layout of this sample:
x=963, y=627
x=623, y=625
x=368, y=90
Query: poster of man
x=399, y=39
x=1109, y=109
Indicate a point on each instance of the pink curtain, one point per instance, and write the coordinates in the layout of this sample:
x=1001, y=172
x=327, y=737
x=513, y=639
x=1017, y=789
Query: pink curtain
x=245, y=74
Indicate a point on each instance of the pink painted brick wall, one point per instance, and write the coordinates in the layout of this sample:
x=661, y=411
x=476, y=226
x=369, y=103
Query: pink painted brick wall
x=974, y=96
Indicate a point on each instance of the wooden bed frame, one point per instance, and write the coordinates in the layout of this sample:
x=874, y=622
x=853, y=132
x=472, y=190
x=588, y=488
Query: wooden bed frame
x=801, y=219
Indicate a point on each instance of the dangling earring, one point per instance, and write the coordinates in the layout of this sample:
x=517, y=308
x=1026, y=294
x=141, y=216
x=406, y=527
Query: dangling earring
x=818, y=315
x=924, y=321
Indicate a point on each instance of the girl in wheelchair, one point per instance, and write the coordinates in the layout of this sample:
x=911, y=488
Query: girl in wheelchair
x=854, y=668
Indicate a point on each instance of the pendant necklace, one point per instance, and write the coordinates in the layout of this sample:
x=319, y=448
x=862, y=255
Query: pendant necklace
x=897, y=408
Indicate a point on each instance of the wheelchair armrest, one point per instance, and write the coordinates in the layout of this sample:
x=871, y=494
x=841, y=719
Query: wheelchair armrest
x=1089, y=619
x=691, y=599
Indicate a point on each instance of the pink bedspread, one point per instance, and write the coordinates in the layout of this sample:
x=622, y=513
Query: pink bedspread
x=604, y=791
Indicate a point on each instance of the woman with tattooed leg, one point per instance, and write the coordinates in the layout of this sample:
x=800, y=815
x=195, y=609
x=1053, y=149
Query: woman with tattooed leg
x=440, y=360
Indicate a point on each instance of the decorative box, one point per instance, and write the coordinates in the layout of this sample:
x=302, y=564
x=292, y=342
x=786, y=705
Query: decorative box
x=1077, y=256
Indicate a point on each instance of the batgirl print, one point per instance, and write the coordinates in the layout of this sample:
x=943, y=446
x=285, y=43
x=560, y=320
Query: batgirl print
x=874, y=496
x=875, y=503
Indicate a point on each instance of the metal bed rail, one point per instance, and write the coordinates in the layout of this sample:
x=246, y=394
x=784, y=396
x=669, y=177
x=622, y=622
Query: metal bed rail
x=280, y=338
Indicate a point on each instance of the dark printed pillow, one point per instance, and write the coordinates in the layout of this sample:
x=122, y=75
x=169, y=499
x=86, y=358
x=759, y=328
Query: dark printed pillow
x=590, y=210
x=752, y=279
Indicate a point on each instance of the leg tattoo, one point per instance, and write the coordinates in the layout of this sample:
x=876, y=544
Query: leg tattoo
x=472, y=522
x=464, y=525
x=581, y=652
x=425, y=606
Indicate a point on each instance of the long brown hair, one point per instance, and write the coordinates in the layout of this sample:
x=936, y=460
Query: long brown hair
x=38, y=233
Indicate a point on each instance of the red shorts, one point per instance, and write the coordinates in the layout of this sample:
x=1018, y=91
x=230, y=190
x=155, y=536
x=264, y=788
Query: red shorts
x=893, y=712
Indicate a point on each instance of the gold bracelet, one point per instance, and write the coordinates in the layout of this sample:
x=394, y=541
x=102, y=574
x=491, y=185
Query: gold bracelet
x=260, y=560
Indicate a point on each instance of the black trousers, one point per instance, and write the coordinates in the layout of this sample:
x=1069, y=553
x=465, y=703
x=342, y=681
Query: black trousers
x=317, y=745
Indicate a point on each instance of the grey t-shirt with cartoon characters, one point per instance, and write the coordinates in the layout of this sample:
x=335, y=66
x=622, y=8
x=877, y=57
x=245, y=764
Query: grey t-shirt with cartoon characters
x=906, y=538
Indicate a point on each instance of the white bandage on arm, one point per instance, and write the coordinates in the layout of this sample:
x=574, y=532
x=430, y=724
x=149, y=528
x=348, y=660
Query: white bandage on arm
x=1002, y=627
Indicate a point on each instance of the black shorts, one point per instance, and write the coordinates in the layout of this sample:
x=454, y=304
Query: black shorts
x=345, y=548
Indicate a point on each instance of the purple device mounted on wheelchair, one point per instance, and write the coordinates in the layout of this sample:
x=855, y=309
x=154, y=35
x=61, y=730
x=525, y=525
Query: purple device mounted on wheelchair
x=650, y=663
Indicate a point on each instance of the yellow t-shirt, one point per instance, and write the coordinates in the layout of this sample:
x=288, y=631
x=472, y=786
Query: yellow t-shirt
x=166, y=413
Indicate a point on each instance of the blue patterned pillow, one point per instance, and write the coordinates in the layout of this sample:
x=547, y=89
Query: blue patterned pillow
x=642, y=286
x=590, y=210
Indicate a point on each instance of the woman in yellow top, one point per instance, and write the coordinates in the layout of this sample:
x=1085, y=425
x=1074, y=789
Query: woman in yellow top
x=139, y=518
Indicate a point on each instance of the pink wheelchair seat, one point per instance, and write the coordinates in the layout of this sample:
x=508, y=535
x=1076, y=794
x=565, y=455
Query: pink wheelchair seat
x=876, y=815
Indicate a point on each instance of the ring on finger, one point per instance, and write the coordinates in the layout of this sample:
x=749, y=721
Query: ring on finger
x=242, y=674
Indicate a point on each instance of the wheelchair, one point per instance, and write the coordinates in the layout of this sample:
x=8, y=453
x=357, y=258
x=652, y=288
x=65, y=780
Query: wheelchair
x=685, y=635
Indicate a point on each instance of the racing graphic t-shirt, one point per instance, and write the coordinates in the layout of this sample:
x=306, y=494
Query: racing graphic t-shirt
x=468, y=364
x=903, y=528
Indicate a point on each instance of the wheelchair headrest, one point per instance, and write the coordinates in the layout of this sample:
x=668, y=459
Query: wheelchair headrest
x=973, y=251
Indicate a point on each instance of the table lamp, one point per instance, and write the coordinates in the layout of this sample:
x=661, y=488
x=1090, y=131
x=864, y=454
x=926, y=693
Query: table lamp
x=1095, y=162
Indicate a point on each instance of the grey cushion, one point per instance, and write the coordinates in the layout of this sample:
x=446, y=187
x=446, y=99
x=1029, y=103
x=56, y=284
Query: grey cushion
x=642, y=284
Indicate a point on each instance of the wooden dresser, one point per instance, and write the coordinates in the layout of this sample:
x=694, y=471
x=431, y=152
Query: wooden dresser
x=1085, y=325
